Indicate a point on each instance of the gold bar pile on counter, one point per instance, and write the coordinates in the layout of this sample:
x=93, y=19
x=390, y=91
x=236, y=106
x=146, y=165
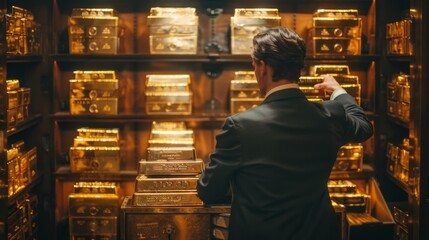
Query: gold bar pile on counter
x=341, y=73
x=173, y=30
x=94, y=211
x=345, y=192
x=244, y=92
x=93, y=31
x=169, y=174
x=247, y=22
x=398, y=160
x=168, y=94
x=398, y=37
x=94, y=92
x=23, y=34
x=402, y=219
x=21, y=166
x=18, y=101
x=399, y=97
x=335, y=32
x=95, y=150
x=22, y=220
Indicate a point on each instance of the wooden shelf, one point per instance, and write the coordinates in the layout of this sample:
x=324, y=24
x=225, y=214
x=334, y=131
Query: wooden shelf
x=24, y=58
x=366, y=173
x=399, y=58
x=139, y=117
x=302, y=6
x=30, y=122
x=398, y=122
x=64, y=174
x=18, y=195
x=197, y=58
x=406, y=188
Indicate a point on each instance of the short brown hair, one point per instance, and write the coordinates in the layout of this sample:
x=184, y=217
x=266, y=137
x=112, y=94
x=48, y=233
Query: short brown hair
x=283, y=50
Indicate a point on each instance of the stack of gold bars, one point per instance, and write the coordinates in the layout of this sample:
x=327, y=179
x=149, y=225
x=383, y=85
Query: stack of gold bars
x=357, y=204
x=93, y=211
x=95, y=150
x=398, y=97
x=169, y=174
x=335, y=32
x=247, y=22
x=93, y=31
x=168, y=94
x=341, y=73
x=244, y=92
x=21, y=165
x=398, y=36
x=22, y=32
x=401, y=223
x=173, y=30
x=398, y=160
x=22, y=222
x=18, y=100
x=94, y=92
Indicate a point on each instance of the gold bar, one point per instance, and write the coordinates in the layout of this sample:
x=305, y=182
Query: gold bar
x=173, y=45
x=93, y=88
x=94, y=12
x=329, y=69
x=108, y=74
x=93, y=226
x=95, y=187
x=168, y=11
x=341, y=186
x=244, y=85
x=95, y=142
x=309, y=80
x=168, y=168
x=97, y=159
x=98, y=132
x=93, y=205
x=165, y=184
x=169, y=125
x=171, y=142
x=338, y=13
x=174, y=134
x=160, y=79
x=256, y=21
x=256, y=12
x=12, y=84
x=167, y=199
x=97, y=106
x=181, y=20
x=244, y=75
x=170, y=153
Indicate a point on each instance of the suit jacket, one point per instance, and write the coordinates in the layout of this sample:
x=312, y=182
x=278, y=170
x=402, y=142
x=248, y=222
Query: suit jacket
x=277, y=159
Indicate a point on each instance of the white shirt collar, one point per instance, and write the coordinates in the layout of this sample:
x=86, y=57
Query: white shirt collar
x=282, y=87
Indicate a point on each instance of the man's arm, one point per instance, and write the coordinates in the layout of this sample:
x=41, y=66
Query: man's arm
x=358, y=128
x=214, y=183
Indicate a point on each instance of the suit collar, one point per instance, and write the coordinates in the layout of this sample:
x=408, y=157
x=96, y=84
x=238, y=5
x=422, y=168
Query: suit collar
x=284, y=94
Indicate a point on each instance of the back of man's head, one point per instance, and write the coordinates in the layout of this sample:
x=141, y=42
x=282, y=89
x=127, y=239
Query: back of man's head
x=283, y=50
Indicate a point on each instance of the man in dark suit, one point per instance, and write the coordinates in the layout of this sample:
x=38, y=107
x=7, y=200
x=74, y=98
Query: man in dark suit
x=276, y=158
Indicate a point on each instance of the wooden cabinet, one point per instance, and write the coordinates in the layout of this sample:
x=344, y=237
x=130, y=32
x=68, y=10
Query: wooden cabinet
x=22, y=191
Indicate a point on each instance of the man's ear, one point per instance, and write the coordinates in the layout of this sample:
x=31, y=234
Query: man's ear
x=263, y=67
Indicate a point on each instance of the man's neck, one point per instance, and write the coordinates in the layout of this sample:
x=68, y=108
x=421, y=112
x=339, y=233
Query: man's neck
x=280, y=85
